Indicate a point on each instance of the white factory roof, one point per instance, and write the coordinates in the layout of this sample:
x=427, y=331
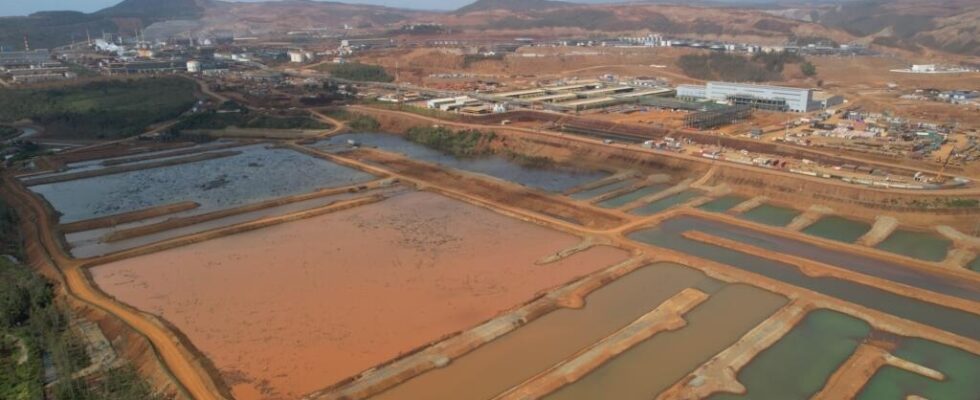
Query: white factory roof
x=554, y=97
x=519, y=93
x=585, y=102
x=650, y=92
x=606, y=90
x=573, y=86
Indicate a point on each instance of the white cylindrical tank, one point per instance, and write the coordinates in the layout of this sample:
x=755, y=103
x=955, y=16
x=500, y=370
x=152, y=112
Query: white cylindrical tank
x=193, y=66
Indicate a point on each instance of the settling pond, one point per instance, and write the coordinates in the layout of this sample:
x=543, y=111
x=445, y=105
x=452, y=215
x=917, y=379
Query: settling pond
x=530, y=349
x=257, y=174
x=769, y=214
x=548, y=179
x=786, y=371
x=668, y=234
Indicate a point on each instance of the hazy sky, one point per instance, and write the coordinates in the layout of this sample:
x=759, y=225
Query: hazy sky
x=24, y=7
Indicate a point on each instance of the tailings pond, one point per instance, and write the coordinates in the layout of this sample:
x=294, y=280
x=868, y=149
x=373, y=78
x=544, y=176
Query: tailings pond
x=800, y=363
x=256, y=174
x=295, y=307
x=837, y=228
x=601, y=190
x=548, y=179
x=93, y=243
x=921, y=245
x=140, y=158
x=960, y=368
x=769, y=214
x=653, y=365
x=513, y=358
x=635, y=195
x=666, y=203
x=668, y=234
x=722, y=204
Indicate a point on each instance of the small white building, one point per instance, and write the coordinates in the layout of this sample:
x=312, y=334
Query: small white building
x=297, y=56
x=193, y=66
x=438, y=103
x=923, y=67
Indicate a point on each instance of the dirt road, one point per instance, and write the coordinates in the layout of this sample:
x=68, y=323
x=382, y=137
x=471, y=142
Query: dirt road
x=532, y=133
x=181, y=362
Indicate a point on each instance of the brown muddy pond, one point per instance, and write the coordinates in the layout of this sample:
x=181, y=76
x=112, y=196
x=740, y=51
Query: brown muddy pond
x=519, y=355
x=295, y=307
x=656, y=363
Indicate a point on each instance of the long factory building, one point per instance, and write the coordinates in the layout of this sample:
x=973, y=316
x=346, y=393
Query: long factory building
x=778, y=98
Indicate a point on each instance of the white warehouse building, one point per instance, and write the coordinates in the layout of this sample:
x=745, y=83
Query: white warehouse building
x=691, y=92
x=778, y=98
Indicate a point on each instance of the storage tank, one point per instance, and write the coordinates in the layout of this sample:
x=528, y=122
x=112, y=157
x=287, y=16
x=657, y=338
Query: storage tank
x=193, y=66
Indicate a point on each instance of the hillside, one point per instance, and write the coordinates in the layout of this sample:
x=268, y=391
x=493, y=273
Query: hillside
x=640, y=18
x=287, y=15
x=56, y=28
x=155, y=10
x=511, y=5
x=50, y=29
x=910, y=25
x=945, y=25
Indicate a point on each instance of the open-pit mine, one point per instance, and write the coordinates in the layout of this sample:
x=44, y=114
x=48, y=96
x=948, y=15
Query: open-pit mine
x=367, y=265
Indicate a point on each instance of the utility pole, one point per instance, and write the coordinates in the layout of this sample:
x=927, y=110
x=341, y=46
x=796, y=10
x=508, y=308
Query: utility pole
x=398, y=88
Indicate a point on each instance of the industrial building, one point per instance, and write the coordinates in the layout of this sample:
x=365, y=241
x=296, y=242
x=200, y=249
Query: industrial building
x=692, y=92
x=367, y=43
x=35, y=75
x=144, y=67
x=299, y=56
x=578, y=96
x=766, y=97
x=24, y=59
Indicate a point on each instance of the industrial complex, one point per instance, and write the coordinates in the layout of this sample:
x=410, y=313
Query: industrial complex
x=306, y=200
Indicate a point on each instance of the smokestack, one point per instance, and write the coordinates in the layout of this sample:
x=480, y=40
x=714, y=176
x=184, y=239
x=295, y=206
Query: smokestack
x=27, y=43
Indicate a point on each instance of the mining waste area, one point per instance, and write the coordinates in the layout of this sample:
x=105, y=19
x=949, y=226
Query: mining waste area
x=368, y=266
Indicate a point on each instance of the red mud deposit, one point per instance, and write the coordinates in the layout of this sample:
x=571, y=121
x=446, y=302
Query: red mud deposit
x=288, y=309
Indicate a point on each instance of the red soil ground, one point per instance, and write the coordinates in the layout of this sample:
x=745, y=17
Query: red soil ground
x=292, y=308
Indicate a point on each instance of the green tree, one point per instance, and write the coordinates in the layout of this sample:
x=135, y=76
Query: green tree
x=808, y=69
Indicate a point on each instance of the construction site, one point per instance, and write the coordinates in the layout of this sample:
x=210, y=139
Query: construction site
x=559, y=265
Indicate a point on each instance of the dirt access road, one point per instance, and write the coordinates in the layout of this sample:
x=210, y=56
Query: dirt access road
x=181, y=363
x=538, y=133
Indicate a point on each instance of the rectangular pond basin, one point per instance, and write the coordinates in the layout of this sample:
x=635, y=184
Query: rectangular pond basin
x=548, y=179
x=668, y=235
x=921, y=245
x=92, y=243
x=800, y=363
x=960, y=368
x=837, y=228
x=853, y=261
x=140, y=158
x=771, y=215
x=256, y=174
x=601, y=190
x=630, y=197
x=722, y=204
x=519, y=355
x=666, y=203
x=396, y=275
x=653, y=365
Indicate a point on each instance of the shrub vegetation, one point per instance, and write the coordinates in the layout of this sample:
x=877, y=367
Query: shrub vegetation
x=729, y=67
x=359, y=72
x=105, y=109
x=463, y=143
x=31, y=318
